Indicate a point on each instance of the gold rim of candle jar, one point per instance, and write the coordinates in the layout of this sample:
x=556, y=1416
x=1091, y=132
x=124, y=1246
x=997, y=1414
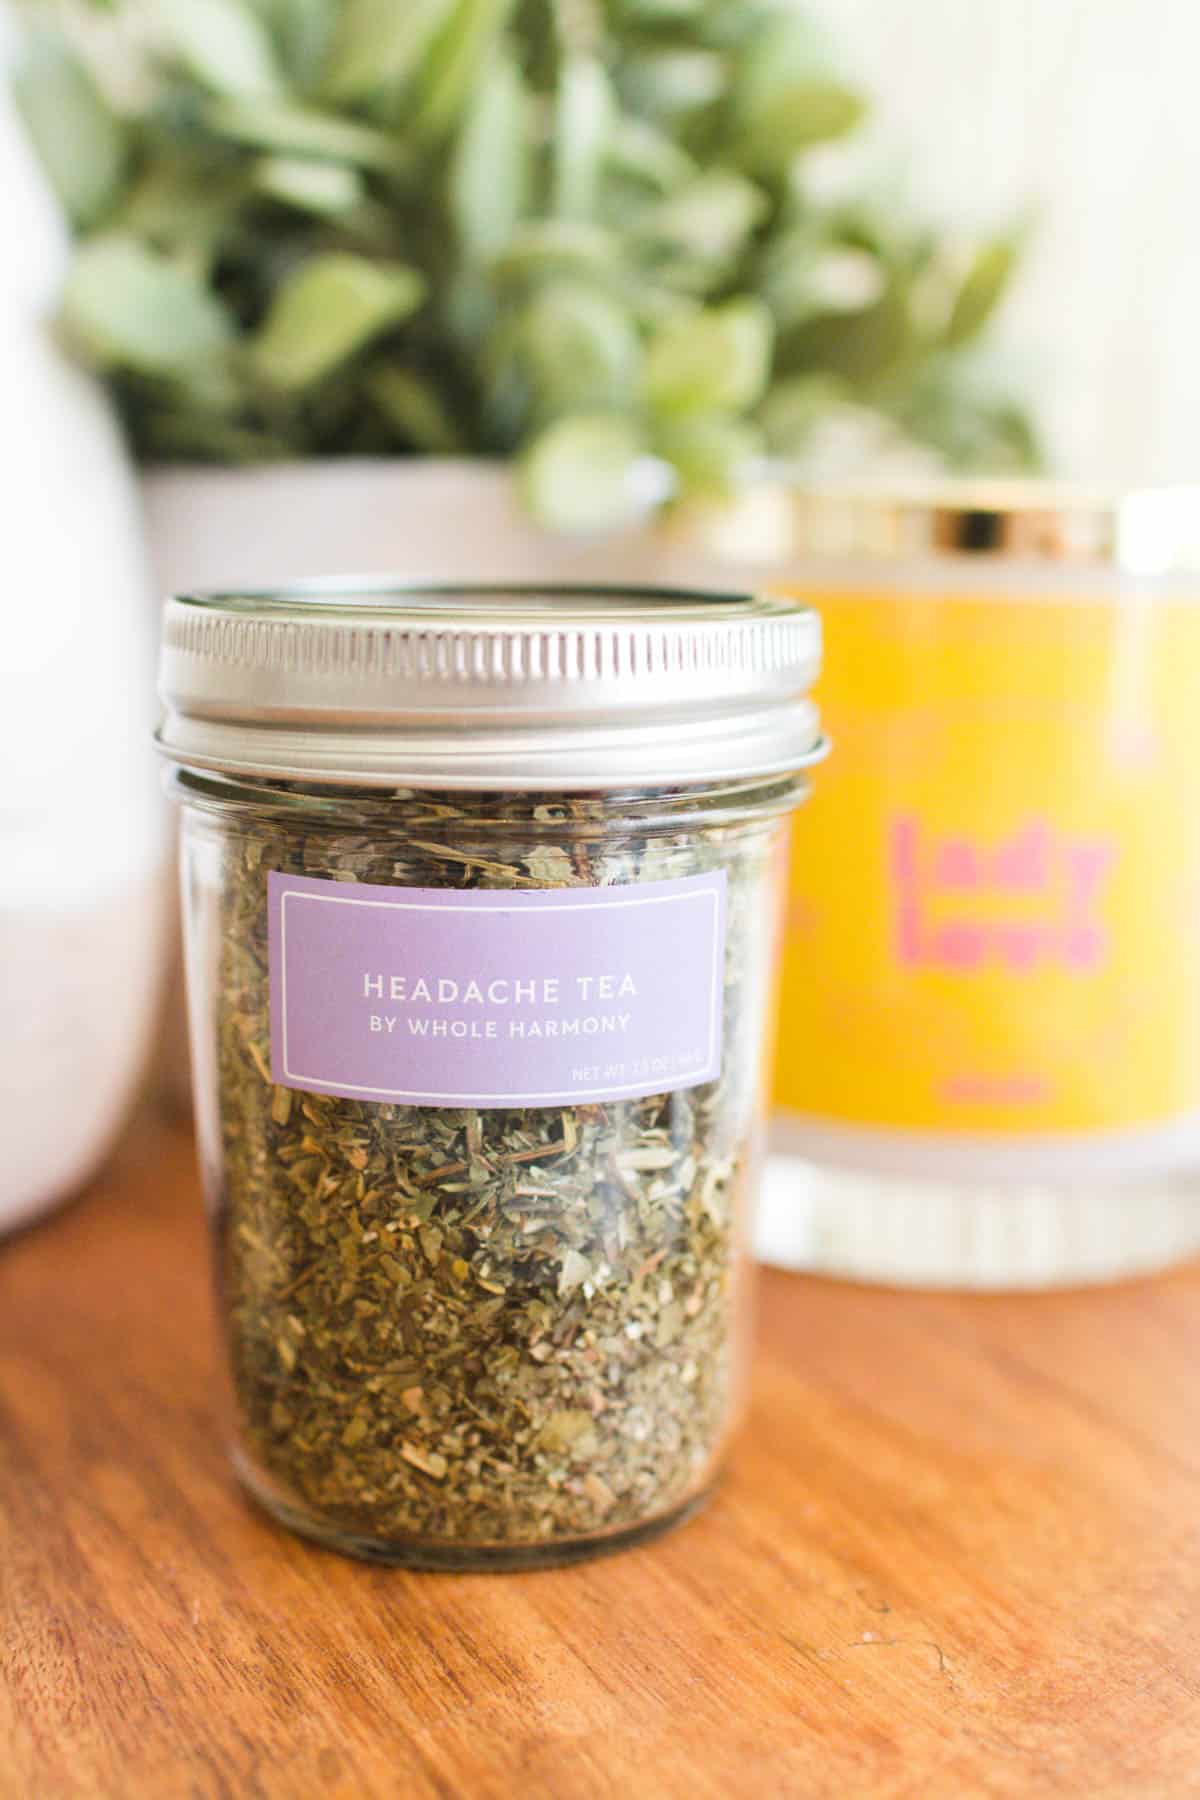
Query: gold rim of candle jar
x=1151, y=530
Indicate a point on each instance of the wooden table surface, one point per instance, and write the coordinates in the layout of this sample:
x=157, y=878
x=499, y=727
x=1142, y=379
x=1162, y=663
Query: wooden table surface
x=958, y=1553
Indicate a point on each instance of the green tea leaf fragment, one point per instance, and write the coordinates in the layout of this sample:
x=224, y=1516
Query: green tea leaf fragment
x=571, y=1431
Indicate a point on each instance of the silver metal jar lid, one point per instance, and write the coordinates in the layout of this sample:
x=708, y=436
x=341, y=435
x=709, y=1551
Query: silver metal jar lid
x=523, y=688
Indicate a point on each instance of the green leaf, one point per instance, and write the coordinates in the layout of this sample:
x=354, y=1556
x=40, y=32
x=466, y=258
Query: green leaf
x=303, y=131
x=642, y=153
x=165, y=433
x=711, y=360
x=580, y=474
x=414, y=408
x=787, y=50
x=669, y=83
x=583, y=119
x=185, y=208
x=489, y=172
x=458, y=52
x=327, y=310
x=223, y=44
x=794, y=118
x=661, y=12
x=586, y=186
x=544, y=247
x=971, y=425
x=796, y=407
x=379, y=44
x=78, y=138
x=711, y=453
x=304, y=31
x=802, y=277
x=309, y=185
x=711, y=219
x=130, y=308
x=860, y=347
x=579, y=349
x=984, y=286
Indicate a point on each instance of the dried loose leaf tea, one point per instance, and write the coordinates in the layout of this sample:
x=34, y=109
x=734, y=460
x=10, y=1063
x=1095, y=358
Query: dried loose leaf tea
x=479, y=1076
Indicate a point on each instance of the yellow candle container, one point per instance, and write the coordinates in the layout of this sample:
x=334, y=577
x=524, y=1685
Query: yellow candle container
x=989, y=1055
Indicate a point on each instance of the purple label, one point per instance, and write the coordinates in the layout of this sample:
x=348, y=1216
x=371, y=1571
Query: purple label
x=438, y=997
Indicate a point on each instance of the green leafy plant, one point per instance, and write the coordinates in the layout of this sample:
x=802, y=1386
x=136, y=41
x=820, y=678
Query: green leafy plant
x=581, y=231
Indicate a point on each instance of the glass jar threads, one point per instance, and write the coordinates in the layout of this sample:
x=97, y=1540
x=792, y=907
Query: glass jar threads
x=478, y=912
x=989, y=1064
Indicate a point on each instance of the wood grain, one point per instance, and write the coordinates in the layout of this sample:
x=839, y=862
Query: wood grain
x=958, y=1554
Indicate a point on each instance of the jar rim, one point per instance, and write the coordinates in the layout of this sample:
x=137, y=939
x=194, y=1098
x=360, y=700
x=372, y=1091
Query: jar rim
x=1150, y=530
x=477, y=601
x=489, y=686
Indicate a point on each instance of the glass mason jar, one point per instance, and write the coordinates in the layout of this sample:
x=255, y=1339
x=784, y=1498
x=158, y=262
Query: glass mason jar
x=478, y=896
x=989, y=1056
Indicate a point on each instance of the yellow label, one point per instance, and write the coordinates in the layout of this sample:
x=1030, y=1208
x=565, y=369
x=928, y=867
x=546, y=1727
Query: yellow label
x=996, y=882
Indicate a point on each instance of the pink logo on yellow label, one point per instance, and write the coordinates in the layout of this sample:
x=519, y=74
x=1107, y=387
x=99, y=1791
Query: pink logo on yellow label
x=993, y=903
x=1024, y=902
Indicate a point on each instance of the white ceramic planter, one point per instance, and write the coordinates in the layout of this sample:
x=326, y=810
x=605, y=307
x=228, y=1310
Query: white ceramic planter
x=411, y=517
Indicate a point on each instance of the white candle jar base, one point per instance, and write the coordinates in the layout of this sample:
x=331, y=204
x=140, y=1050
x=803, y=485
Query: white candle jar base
x=978, y=1218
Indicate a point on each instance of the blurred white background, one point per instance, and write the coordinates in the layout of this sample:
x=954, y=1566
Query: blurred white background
x=1083, y=116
